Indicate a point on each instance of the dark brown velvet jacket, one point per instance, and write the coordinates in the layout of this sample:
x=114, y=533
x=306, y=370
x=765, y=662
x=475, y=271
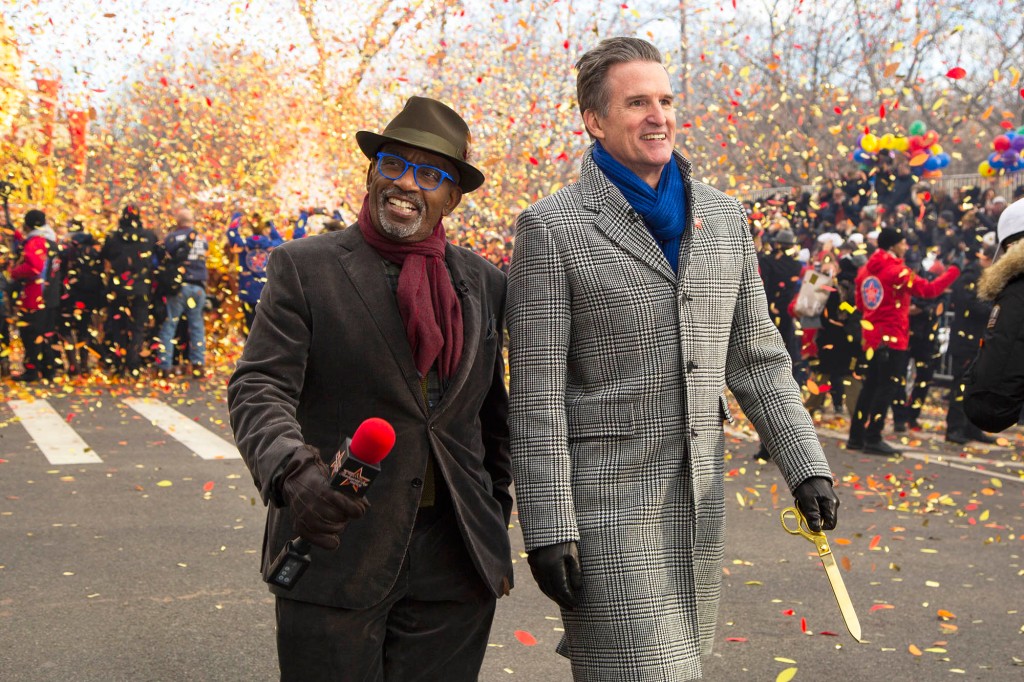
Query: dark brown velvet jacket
x=328, y=350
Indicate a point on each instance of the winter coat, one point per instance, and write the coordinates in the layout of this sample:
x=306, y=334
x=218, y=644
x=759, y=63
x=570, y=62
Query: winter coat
x=82, y=272
x=839, y=335
x=970, y=313
x=253, y=257
x=994, y=385
x=39, y=270
x=884, y=287
x=131, y=252
x=328, y=349
x=618, y=372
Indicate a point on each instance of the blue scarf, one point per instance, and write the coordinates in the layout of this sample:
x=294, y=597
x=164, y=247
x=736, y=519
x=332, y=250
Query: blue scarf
x=663, y=210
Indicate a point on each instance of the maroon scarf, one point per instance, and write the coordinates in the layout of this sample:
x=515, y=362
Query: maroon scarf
x=426, y=298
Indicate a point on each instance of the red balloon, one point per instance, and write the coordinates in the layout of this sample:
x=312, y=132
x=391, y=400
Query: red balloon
x=929, y=138
x=1001, y=143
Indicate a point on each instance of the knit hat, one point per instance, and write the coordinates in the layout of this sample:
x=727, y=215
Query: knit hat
x=889, y=237
x=34, y=218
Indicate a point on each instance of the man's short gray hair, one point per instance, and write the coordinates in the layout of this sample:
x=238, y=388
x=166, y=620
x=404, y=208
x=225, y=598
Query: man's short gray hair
x=592, y=69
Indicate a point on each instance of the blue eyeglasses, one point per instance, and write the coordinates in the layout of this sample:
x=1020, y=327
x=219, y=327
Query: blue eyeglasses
x=428, y=178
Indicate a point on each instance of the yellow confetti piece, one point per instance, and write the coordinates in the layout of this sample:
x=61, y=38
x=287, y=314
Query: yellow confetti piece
x=786, y=675
x=996, y=483
x=785, y=660
x=164, y=483
x=931, y=583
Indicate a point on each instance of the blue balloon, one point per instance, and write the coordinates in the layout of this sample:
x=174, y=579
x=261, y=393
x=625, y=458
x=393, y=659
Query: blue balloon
x=943, y=159
x=861, y=156
x=995, y=159
x=932, y=163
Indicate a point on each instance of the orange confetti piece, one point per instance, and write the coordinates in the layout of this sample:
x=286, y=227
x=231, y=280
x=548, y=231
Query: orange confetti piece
x=208, y=486
x=914, y=650
x=880, y=607
x=847, y=565
x=946, y=615
x=525, y=638
x=874, y=542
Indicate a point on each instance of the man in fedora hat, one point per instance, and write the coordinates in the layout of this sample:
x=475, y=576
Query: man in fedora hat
x=385, y=319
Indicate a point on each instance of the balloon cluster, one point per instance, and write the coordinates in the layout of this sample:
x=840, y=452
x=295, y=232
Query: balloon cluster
x=921, y=147
x=1008, y=154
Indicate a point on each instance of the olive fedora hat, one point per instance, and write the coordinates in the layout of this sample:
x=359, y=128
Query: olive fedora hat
x=427, y=124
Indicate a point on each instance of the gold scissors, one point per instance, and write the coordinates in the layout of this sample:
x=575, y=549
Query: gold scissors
x=792, y=515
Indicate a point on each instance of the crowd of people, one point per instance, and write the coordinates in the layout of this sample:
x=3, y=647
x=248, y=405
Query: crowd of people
x=133, y=302
x=896, y=267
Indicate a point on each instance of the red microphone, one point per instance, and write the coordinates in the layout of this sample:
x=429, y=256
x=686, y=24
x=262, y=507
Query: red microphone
x=358, y=462
x=352, y=471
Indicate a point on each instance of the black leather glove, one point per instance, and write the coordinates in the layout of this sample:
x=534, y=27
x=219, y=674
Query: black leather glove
x=817, y=502
x=556, y=568
x=320, y=512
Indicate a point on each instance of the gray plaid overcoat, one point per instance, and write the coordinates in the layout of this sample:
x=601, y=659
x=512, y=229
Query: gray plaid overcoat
x=618, y=368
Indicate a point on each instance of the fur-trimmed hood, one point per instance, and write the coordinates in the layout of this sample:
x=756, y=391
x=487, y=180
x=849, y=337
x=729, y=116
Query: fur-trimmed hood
x=995, y=278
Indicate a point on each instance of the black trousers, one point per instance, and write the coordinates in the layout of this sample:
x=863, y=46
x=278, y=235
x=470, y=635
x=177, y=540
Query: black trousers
x=124, y=332
x=956, y=418
x=884, y=379
x=38, y=333
x=906, y=411
x=432, y=627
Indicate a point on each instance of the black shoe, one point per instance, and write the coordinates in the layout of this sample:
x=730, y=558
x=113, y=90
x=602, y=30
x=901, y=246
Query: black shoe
x=899, y=427
x=880, y=447
x=981, y=436
x=762, y=454
x=854, y=444
x=957, y=437
x=914, y=425
x=27, y=377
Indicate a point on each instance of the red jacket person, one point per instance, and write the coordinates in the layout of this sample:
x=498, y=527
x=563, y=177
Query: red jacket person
x=885, y=286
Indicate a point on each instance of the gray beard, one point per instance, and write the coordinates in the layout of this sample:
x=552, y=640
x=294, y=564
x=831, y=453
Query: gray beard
x=393, y=230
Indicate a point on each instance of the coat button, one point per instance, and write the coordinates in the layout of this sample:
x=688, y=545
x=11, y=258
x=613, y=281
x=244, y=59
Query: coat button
x=417, y=483
x=693, y=433
x=690, y=366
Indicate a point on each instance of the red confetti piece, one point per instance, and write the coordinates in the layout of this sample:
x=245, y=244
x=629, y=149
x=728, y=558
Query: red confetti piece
x=208, y=486
x=838, y=110
x=735, y=639
x=879, y=607
x=525, y=638
x=956, y=73
x=829, y=633
x=71, y=415
x=163, y=81
x=803, y=625
x=789, y=612
x=874, y=542
x=534, y=161
x=881, y=111
x=1008, y=125
x=1022, y=92
x=209, y=102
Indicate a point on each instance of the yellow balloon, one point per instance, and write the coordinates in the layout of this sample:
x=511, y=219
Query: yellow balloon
x=936, y=149
x=985, y=169
x=901, y=144
x=869, y=143
x=886, y=141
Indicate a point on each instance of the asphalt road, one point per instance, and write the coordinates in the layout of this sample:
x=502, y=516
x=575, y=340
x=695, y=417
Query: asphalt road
x=143, y=565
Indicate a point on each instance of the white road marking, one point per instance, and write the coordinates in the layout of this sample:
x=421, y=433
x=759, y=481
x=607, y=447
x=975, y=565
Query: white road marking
x=59, y=443
x=198, y=439
x=960, y=464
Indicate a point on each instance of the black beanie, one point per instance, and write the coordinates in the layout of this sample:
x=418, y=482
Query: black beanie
x=889, y=237
x=34, y=218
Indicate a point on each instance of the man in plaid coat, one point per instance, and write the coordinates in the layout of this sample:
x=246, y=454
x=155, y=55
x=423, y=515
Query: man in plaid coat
x=634, y=300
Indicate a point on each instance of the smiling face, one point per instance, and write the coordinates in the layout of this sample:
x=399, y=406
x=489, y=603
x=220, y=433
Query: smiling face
x=639, y=130
x=399, y=209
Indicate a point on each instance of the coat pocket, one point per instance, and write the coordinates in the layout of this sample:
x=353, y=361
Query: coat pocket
x=601, y=418
x=723, y=409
